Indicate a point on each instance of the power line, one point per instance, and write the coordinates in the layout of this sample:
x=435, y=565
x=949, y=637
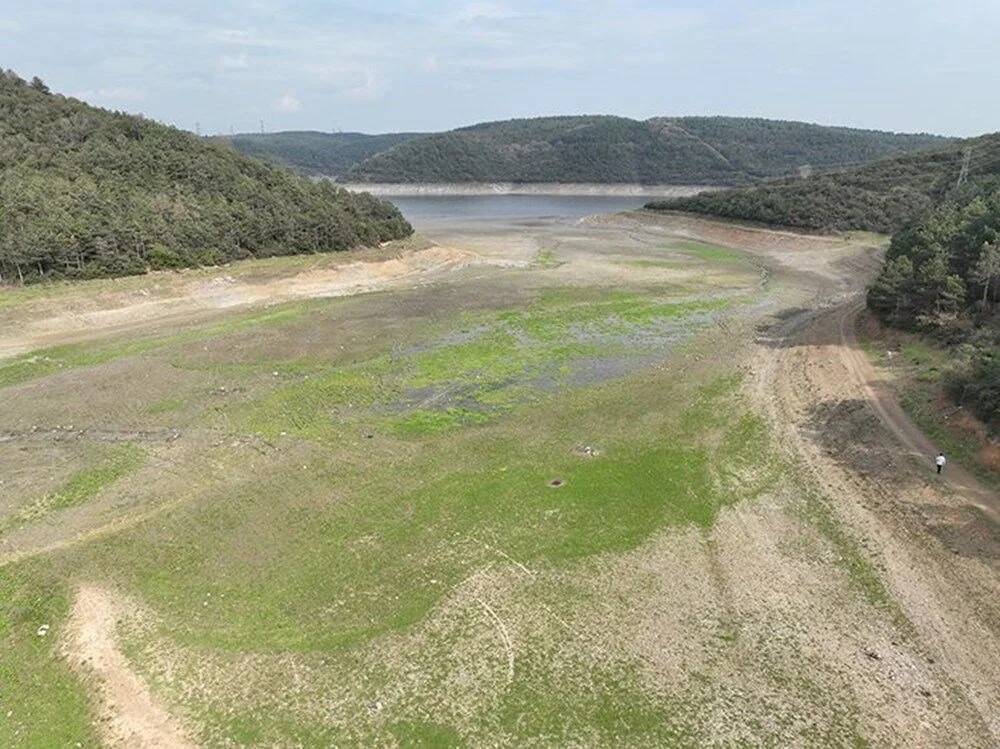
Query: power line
x=964, y=173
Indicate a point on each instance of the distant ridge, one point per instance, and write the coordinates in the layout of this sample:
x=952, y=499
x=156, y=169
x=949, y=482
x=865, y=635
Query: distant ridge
x=315, y=153
x=720, y=151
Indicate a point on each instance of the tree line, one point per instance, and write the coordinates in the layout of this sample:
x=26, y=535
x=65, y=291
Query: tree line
x=942, y=276
x=86, y=192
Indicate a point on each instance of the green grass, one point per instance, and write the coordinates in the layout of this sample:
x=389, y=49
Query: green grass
x=546, y=259
x=84, y=485
x=365, y=547
x=473, y=380
x=427, y=422
x=707, y=252
x=165, y=406
x=682, y=472
x=42, y=703
x=48, y=361
x=610, y=709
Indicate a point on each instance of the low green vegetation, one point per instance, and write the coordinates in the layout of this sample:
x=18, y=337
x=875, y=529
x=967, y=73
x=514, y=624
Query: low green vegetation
x=86, y=193
x=106, y=468
x=42, y=703
x=498, y=361
x=663, y=150
x=707, y=252
x=677, y=470
x=48, y=361
x=86, y=484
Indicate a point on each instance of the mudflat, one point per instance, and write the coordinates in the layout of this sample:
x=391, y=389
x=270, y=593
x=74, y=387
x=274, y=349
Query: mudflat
x=619, y=480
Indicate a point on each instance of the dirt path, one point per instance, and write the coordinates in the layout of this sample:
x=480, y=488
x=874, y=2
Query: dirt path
x=895, y=419
x=937, y=541
x=131, y=715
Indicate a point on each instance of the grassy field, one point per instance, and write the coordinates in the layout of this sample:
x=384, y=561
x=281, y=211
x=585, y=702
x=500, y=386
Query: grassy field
x=436, y=516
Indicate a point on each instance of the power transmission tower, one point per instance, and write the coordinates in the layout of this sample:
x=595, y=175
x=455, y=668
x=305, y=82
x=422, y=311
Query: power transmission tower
x=262, y=127
x=197, y=128
x=964, y=173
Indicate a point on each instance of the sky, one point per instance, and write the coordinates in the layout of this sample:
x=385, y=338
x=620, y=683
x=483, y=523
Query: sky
x=409, y=65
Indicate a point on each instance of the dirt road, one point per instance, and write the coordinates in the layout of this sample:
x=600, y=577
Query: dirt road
x=936, y=540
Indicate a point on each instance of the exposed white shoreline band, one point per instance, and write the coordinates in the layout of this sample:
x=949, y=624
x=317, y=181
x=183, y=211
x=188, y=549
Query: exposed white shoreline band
x=526, y=188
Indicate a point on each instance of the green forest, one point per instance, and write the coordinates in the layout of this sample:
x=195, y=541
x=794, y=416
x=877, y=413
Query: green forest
x=883, y=196
x=600, y=149
x=85, y=193
x=315, y=153
x=941, y=275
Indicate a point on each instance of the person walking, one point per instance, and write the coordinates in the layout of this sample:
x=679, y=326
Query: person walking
x=940, y=461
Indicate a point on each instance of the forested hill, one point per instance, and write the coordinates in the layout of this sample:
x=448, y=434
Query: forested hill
x=310, y=152
x=85, y=192
x=883, y=196
x=681, y=150
x=942, y=271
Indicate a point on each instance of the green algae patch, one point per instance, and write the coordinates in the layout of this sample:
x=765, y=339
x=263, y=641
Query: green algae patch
x=492, y=364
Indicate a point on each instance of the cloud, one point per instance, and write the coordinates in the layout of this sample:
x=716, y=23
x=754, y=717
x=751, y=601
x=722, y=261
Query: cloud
x=235, y=62
x=484, y=11
x=353, y=80
x=288, y=103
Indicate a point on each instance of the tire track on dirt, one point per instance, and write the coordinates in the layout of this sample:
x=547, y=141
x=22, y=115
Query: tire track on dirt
x=810, y=360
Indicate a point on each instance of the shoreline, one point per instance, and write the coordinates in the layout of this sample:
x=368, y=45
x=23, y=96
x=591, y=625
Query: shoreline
x=524, y=188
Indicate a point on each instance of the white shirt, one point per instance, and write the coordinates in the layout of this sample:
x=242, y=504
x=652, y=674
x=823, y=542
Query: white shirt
x=940, y=460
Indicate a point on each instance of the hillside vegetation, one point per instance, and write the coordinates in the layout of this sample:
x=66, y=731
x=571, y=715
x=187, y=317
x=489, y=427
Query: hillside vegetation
x=85, y=192
x=315, y=153
x=942, y=276
x=883, y=196
x=683, y=150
